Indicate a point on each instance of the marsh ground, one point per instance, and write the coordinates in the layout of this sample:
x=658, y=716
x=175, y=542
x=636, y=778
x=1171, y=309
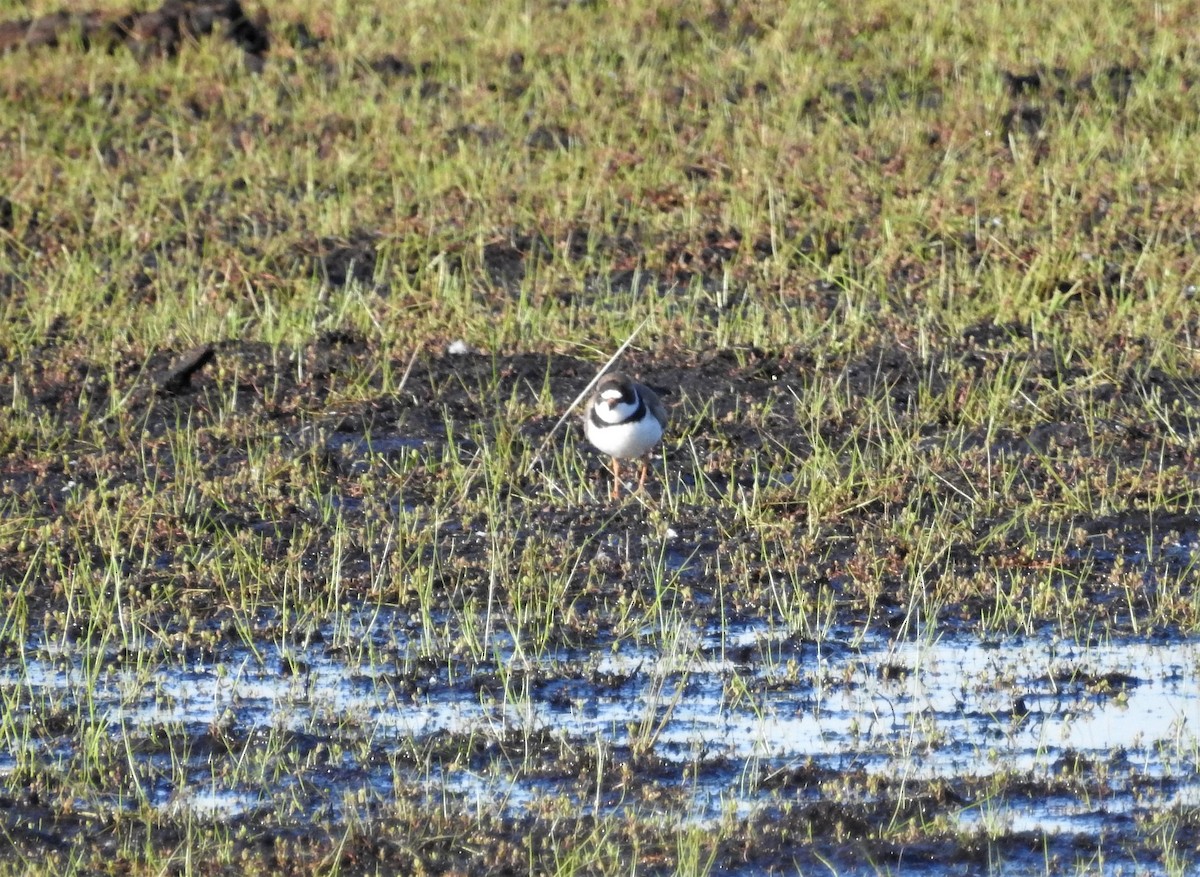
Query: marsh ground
x=291, y=586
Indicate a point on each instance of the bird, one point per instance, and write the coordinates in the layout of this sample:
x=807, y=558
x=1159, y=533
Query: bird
x=625, y=420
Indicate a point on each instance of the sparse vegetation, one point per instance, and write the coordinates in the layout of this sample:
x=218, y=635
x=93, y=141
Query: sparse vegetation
x=290, y=304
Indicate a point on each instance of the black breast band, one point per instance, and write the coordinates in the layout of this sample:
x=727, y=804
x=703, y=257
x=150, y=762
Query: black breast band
x=638, y=414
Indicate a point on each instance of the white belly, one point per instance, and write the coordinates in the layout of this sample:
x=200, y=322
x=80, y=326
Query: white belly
x=625, y=440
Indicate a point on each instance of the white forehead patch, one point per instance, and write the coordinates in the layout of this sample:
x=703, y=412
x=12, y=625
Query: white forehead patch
x=611, y=395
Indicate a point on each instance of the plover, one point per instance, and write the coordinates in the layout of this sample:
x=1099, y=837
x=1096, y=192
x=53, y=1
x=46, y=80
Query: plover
x=625, y=420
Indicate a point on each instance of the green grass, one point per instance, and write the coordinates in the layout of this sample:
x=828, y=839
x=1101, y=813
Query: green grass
x=934, y=341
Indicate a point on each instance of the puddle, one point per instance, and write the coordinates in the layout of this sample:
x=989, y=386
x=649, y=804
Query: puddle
x=1110, y=728
x=213, y=805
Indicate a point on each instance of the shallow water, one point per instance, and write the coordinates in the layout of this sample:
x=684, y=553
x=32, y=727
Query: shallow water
x=1113, y=726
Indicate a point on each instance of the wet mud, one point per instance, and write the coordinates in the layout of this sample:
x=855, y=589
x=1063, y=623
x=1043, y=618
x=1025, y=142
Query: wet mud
x=850, y=709
x=930, y=755
x=873, y=738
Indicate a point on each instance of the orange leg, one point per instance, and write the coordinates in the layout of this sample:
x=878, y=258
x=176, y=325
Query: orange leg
x=645, y=469
x=616, y=491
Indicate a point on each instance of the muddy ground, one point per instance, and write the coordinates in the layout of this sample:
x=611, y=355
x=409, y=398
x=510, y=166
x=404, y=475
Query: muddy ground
x=713, y=396
x=110, y=437
x=446, y=397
